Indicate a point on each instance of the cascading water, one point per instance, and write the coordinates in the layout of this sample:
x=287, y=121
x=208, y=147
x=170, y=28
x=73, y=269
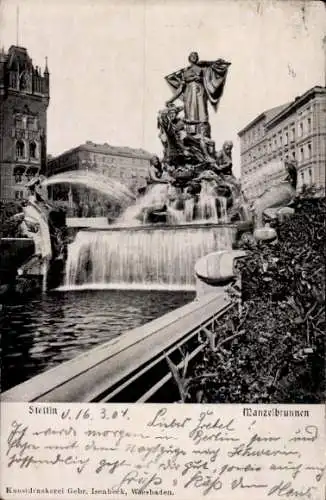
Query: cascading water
x=165, y=195
x=223, y=208
x=207, y=202
x=142, y=257
x=155, y=197
x=134, y=255
x=111, y=188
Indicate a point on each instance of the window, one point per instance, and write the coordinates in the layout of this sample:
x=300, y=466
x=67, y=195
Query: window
x=31, y=123
x=300, y=131
x=292, y=134
x=308, y=125
x=18, y=173
x=19, y=195
x=20, y=149
x=293, y=155
x=286, y=138
x=301, y=154
x=19, y=122
x=310, y=176
x=32, y=150
x=309, y=150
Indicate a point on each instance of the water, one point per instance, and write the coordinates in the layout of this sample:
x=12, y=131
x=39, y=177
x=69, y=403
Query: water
x=41, y=333
x=170, y=197
x=156, y=196
x=142, y=257
x=112, y=189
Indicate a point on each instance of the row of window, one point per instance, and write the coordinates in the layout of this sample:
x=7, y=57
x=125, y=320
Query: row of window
x=254, y=189
x=123, y=173
x=254, y=135
x=22, y=152
x=283, y=137
x=111, y=160
x=304, y=153
x=27, y=122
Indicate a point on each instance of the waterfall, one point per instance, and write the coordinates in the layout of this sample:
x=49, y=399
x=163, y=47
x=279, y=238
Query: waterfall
x=223, y=207
x=142, y=257
x=167, y=198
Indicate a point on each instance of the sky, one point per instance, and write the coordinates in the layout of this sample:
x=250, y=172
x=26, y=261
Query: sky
x=107, y=61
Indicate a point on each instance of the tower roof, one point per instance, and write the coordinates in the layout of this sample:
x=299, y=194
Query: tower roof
x=19, y=55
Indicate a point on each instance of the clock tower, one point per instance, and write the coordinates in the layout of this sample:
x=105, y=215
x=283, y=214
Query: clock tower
x=24, y=99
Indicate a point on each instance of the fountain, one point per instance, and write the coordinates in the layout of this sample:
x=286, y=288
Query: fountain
x=188, y=210
x=190, y=206
x=111, y=188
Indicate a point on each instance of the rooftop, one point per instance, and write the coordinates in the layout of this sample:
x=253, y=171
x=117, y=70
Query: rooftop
x=267, y=115
x=296, y=103
x=17, y=55
x=108, y=149
x=274, y=114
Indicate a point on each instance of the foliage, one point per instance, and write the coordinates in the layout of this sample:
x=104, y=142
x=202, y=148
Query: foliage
x=273, y=351
x=179, y=375
x=9, y=228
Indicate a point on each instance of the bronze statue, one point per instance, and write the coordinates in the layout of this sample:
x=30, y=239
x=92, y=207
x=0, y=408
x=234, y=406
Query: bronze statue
x=224, y=158
x=181, y=148
x=172, y=133
x=200, y=82
x=200, y=183
x=155, y=172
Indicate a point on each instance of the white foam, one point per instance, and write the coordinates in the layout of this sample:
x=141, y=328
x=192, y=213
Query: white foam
x=126, y=286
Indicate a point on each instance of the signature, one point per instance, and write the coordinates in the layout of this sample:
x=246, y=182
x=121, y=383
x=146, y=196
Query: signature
x=286, y=490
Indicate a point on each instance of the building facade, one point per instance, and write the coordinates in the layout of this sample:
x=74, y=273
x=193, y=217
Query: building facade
x=296, y=130
x=24, y=99
x=126, y=165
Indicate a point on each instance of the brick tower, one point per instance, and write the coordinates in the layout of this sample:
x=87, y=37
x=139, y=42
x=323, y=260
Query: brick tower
x=24, y=99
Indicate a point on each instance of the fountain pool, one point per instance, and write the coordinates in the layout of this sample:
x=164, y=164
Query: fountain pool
x=40, y=333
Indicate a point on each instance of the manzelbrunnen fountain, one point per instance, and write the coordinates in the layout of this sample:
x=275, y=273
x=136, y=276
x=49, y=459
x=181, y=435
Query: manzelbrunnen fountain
x=190, y=200
x=187, y=211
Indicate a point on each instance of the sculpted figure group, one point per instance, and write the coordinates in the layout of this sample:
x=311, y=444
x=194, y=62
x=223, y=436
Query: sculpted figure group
x=189, y=155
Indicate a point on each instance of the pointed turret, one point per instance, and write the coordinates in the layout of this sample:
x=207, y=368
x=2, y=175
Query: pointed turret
x=46, y=71
x=2, y=69
x=46, y=76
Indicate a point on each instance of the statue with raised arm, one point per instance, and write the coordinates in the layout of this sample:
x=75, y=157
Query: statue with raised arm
x=201, y=82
